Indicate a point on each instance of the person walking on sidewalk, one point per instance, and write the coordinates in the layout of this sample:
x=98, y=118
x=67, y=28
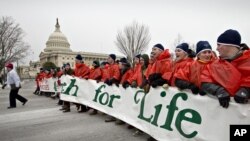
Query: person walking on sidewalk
x=14, y=81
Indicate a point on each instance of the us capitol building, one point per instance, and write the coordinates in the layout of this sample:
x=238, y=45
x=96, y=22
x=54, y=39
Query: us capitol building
x=58, y=51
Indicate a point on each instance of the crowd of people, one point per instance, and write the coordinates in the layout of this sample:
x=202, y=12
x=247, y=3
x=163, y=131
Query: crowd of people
x=201, y=71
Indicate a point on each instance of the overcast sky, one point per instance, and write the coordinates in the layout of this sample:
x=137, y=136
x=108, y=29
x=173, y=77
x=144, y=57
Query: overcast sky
x=92, y=25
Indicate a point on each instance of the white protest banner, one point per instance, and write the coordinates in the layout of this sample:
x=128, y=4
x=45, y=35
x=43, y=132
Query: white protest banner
x=49, y=85
x=167, y=115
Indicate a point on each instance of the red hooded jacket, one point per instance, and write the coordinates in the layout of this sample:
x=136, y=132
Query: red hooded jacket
x=114, y=71
x=182, y=64
x=162, y=65
x=230, y=75
x=128, y=74
x=81, y=70
x=137, y=75
x=95, y=73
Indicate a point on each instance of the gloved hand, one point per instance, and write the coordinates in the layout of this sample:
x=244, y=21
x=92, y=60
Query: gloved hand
x=113, y=81
x=125, y=84
x=194, y=89
x=223, y=97
x=134, y=84
x=158, y=82
x=242, y=95
x=182, y=84
x=154, y=76
x=202, y=92
x=107, y=82
x=4, y=85
x=117, y=84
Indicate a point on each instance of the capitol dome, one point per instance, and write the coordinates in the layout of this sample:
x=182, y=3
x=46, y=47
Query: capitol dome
x=57, y=41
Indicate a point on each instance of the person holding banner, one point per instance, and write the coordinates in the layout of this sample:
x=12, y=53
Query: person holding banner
x=95, y=71
x=184, y=57
x=66, y=104
x=190, y=77
x=104, y=70
x=114, y=71
x=139, y=78
x=136, y=70
x=161, y=67
x=126, y=72
x=229, y=75
x=60, y=72
x=39, y=77
x=82, y=71
x=114, y=77
x=95, y=74
x=158, y=73
x=14, y=81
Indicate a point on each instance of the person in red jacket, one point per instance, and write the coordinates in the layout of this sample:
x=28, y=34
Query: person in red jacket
x=161, y=66
x=38, y=78
x=113, y=70
x=184, y=57
x=60, y=72
x=95, y=71
x=95, y=74
x=136, y=69
x=139, y=77
x=190, y=77
x=229, y=75
x=42, y=76
x=47, y=73
x=104, y=70
x=126, y=71
x=114, y=77
x=81, y=71
x=150, y=64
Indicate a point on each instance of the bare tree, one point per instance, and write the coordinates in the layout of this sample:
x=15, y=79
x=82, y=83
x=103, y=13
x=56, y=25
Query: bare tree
x=12, y=46
x=133, y=40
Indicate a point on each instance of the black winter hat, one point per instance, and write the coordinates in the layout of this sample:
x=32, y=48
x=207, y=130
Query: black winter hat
x=113, y=56
x=97, y=63
x=159, y=46
x=79, y=57
x=201, y=46
x=184, y=47
x=123, y=60
x=230, y=37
